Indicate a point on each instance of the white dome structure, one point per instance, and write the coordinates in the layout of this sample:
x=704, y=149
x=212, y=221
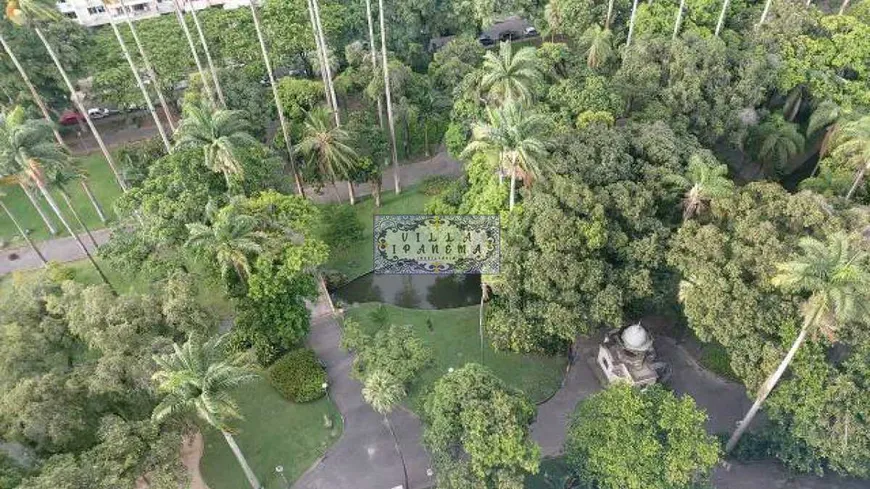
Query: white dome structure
x=635, y=338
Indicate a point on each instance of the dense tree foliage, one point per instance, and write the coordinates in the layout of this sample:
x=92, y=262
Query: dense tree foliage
x=477, y=430
x=623, y=438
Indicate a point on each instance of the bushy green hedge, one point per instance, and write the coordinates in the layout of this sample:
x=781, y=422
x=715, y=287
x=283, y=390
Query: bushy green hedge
x=339, y=226
x=298, y=376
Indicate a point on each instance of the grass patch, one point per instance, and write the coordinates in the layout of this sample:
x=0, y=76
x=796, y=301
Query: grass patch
x=274, y=432
x=102, y=183
x=453, y=339
x=357, y=258
x=714, y=357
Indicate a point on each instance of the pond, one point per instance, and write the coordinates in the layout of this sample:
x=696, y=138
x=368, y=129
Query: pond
x=412, y=291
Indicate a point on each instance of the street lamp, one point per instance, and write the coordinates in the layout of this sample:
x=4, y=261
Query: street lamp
x=280, y=470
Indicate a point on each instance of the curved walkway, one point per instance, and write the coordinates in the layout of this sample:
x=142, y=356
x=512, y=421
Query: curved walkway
x=364, y=457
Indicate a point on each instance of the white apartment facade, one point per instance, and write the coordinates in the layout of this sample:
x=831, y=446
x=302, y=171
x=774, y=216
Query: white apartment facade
x=91, y=13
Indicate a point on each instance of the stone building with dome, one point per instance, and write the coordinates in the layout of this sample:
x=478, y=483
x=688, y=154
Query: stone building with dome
x=627, y=355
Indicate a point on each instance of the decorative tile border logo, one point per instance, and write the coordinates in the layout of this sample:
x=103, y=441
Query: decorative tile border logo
x=429, y=244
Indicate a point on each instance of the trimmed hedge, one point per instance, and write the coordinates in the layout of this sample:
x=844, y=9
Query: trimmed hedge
x=298, y=376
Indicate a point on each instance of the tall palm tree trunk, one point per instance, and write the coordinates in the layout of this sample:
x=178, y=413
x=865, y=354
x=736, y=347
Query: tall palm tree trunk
x=252, y=478
x=327, y=67
x=721, y=21
x=150, y=69
x=398, y=448
x=374, y=58
x=631, y=23
x=42, y=215
x=321, y=59
x=350, y=192
x=843, y=7
x=679, y=21
x=285, y=128
x=388, y=96
x=23, y=234
x=179, y=14
x=81, y=108
x=609, y=14
x=141, y=85
x=514, y=184
x=76, y=216
x=94, y=203
x=33, y=93
x=764, y=13
x=214, y=75
x=770, y=383
x=858, y=179
x=481, y=316
x=69, y=229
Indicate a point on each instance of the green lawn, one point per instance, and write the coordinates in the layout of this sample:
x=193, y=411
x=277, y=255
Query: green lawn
x=453, y=339
x=356, y=259
x=274, y=432
x=102, y=183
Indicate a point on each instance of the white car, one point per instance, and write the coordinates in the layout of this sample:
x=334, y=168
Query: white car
x=98, y=112
x=531, y=32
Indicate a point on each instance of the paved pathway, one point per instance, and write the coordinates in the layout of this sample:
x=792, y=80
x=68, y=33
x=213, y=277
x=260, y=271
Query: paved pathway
x=365, y=456
x=58, y=249
x=66, y=249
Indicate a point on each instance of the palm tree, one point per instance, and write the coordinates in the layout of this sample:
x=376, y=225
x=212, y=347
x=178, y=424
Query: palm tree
x=852, y=144
x=31, y=13
x=152, y=75
x=83, y=181
x=553, y=17
x=763, y=14
x=631, y=23
x=598, y=45
x=33, y=93
x=827, y=182
x=139, y=83
x=179, y=15
x=59, y=179
x=25, y=184
x=609, y=17
x=679, y=20
x=324, y=49
x=383, y=392
x=705, y=181
x=721, y=22
x=510, y=76
x=373, y=57
x=231, y=239
x=328, y=147
x=826, y=116
x=515, y=137
x=322, y=57
x=211, y=68
x=780, y=142
x=836, y=274
x=843, y=7
x=21, y=230
x=220, y=133
x=285, y=128
x=198, y=378
x=385, y=68
x=28, y=147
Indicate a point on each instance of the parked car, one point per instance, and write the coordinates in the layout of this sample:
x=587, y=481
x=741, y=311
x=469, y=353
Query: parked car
x=70, y=118
x=531, y=32
x=485, y=40
x=98, y=112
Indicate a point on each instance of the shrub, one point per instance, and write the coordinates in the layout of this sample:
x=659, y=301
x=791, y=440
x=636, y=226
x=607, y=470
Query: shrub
x=298, y=376
x=339, y=227
x=435, y=185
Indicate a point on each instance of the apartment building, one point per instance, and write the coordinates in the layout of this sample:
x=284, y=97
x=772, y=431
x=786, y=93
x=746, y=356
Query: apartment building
x=91, y=13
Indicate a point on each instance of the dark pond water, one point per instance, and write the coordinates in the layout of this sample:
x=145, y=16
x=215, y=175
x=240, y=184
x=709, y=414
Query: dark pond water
x=413, y=291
